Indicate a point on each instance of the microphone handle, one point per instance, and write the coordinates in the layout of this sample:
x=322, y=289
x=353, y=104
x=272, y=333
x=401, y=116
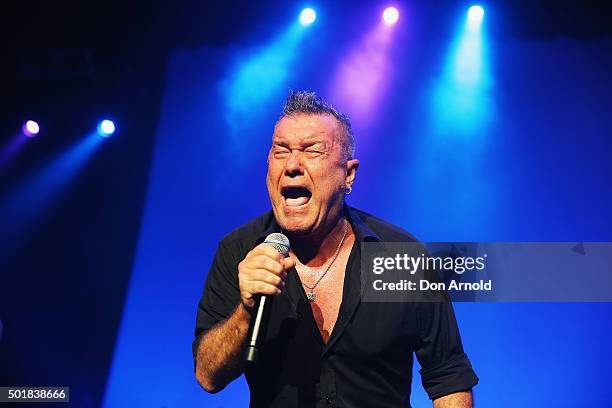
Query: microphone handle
x=257, y=328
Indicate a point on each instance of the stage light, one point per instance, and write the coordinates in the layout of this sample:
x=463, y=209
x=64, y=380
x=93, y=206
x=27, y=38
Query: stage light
x=254, y=82
x=307, y=16
x=463, y=94
x=106, y=128
x=390, y=16
x=30, y=128
x=475, y=14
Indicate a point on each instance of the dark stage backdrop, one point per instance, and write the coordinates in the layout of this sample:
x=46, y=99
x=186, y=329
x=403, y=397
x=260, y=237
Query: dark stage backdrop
x=486, y=140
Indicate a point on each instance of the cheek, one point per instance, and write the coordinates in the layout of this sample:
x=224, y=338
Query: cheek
x=328, y=181
x=274, y=169
x=271, y=183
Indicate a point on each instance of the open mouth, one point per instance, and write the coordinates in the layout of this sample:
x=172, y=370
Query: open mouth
x=296, y=196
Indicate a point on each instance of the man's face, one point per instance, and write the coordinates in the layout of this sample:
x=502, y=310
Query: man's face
x=307, y=174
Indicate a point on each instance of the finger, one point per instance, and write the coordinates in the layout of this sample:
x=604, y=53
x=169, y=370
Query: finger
x=267, y=249
x=262, y=275
x=246, y=296
x=267, y=263
x=263, y=288
x=288, y=263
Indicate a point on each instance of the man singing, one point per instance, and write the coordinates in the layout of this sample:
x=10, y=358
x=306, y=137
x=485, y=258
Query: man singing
x=323, y=346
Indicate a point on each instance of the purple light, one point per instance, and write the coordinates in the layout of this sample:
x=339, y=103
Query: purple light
x=390, y=16
x=30, y=128
x=363, y=74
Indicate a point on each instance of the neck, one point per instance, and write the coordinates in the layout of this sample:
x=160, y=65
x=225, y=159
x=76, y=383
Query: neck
x=315, y=250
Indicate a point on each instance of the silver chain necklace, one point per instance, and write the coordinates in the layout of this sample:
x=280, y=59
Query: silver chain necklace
x=312, y=296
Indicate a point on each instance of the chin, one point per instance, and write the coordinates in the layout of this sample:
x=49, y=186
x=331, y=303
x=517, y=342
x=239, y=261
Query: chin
x=295, y=225
x=296, y=228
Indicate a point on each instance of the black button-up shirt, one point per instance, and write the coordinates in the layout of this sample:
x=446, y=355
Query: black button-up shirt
x=367, y=361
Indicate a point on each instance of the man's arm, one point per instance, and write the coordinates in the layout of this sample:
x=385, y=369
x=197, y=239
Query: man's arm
x=220, y=353
x=219, y=358
x=446, y=372
x=461, y=399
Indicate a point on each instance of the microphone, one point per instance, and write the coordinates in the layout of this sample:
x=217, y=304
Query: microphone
x=259, y=320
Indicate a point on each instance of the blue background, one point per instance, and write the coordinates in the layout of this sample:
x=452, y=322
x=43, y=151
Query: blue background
x=527, y=161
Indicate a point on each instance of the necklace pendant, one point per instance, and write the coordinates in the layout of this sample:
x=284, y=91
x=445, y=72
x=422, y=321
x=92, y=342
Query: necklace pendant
x=311, y=296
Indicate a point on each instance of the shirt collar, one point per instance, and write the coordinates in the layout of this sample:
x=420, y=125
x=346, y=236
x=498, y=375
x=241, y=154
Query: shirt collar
x=362, y=231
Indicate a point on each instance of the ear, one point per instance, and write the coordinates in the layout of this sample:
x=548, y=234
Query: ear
x=351, y=172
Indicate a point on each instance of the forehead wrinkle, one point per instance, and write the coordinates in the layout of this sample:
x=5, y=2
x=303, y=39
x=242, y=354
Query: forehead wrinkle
x=331, y=137
x=306, y=133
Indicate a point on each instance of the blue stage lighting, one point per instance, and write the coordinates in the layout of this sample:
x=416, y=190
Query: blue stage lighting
x=307, y=16
x=475, y=14
x=106, y=128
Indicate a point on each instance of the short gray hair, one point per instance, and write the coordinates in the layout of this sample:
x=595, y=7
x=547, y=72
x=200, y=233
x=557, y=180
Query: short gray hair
x=310, y=103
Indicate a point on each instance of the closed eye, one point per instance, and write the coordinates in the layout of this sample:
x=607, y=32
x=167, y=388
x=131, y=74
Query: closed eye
x=280, y=153
x=315, y=150
x=313, y=153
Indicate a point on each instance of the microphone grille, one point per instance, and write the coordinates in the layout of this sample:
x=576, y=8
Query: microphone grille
x=279, y=241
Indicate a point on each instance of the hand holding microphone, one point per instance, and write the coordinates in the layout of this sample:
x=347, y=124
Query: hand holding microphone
x=262, y=274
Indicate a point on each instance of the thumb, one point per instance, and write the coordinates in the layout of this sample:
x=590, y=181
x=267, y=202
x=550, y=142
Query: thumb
x=288, y=263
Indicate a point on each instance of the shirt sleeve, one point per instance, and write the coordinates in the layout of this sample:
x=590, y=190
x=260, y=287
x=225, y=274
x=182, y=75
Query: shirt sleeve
x=221, y=294
x=446, y=369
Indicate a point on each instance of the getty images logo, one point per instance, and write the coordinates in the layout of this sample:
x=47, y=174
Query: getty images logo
x=412, y=264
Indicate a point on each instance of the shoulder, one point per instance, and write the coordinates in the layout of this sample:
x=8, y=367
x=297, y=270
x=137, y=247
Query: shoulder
x=385, y=230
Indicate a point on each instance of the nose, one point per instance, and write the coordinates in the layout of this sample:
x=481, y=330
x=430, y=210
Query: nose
x=293, y=165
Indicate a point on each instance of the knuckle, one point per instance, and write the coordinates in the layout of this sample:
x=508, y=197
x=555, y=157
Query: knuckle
x=262, y=260
x=271, y=252
x=265, y=249
x=277, y=281
x=262, y=287
x=272, y=265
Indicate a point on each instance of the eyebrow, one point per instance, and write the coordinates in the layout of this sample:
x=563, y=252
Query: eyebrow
x=305, y=143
